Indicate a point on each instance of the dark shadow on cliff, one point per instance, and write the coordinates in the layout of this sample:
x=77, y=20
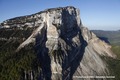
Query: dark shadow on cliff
x=104, y=39
x=73, y=58
x=43, y=56
x=76, y=52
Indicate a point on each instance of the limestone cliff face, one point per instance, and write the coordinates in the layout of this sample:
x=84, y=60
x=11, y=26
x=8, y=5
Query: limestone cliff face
x=66, y=49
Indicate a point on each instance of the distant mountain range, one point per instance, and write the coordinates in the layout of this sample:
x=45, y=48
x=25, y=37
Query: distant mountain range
x=112, y=37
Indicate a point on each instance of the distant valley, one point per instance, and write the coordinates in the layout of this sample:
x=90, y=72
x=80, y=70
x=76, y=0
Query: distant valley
x=112, y=37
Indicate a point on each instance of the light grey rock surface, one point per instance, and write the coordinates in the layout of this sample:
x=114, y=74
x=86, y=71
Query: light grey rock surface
x=66, y=49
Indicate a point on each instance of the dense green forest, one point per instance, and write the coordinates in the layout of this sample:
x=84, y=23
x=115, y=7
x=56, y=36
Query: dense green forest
x=14, y=65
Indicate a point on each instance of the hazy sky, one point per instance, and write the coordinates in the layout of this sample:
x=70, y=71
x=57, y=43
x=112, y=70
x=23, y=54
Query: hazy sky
x=95, y=14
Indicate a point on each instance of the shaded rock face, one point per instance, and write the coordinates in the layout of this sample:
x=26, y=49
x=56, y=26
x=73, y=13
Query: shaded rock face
x=66, y=50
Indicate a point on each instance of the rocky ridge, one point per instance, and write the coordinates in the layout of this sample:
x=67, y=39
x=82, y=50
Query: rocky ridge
x=65, y=48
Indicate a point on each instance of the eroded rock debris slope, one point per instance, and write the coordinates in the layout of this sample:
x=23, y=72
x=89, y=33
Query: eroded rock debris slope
x=65, y=48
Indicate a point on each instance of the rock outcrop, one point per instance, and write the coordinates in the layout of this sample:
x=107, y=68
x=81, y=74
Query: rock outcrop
x=66, y=49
